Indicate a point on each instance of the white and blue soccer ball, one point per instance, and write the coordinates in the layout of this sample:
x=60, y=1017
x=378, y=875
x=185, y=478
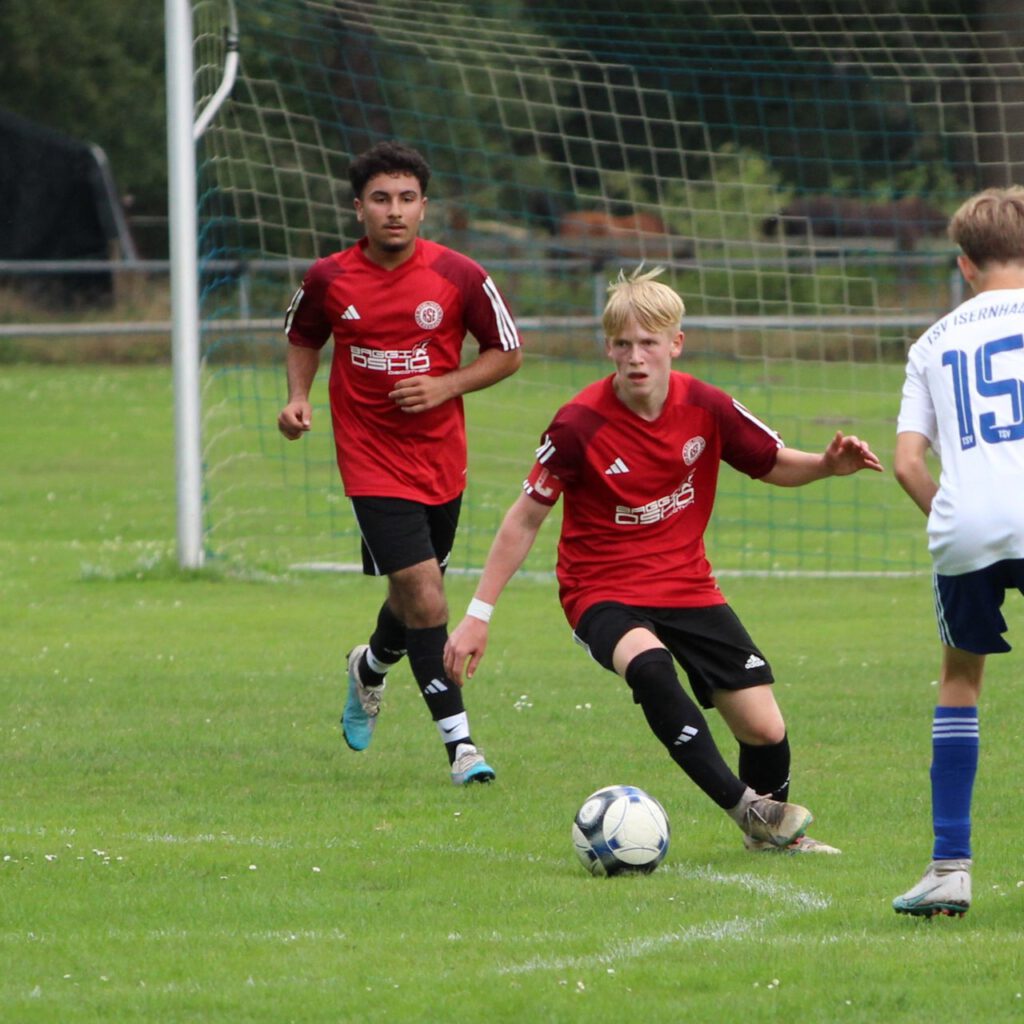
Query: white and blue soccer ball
x=620, y=830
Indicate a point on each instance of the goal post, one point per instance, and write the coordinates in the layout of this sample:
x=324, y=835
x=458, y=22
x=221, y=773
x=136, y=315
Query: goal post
x=792, y=166
x=185, y=345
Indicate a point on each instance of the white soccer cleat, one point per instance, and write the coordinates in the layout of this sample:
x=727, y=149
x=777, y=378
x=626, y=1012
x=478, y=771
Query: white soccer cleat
x=802, y=844
x=944, y=889
x=773, y=822
x=469, y=766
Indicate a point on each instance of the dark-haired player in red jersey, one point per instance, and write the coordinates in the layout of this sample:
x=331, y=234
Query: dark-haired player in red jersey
x=635, y=457
x=399, y=308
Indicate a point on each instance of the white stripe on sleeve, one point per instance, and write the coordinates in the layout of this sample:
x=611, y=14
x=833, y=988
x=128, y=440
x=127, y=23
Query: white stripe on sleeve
x=506, y=325
x=745, y=412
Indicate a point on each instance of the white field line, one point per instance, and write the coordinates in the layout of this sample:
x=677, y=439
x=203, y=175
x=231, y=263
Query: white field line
x=779, y=892
x=228, y=839
x=619, y=951
x=790, y=897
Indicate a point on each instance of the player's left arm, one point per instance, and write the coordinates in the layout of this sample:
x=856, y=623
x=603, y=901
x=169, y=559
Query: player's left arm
x=488, y=319
x=844, y=455
x=423, y=392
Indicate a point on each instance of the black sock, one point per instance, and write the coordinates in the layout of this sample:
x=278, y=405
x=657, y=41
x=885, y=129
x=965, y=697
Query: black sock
x=443, y=697
x=765, y=769
x=680, y=725
x=387, y=645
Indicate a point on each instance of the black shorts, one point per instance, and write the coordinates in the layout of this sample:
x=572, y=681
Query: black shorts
x=968, y=606
x=711, y=644
x=398, y=533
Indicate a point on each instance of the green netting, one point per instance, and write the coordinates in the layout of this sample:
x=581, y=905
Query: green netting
x=791, y=164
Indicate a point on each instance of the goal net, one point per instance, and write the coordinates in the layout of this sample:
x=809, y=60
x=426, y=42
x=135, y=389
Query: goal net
x=791, y=165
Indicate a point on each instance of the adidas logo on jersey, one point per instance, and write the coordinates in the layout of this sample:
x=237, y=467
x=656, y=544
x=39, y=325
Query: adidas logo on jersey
x=618, y=466
x=351, y=314
x=754, y=662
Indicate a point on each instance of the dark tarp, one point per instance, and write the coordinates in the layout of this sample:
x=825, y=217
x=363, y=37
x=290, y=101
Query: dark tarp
x=53, y=206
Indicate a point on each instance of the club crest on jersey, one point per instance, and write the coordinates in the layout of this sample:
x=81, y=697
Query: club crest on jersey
x=428, y=315
x=693, y=449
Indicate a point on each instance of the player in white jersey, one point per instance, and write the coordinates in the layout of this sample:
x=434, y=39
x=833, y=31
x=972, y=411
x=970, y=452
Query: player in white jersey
x=964, y=398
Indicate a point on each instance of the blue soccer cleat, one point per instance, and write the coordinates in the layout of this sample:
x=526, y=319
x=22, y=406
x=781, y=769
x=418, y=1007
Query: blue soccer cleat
x=362, y=706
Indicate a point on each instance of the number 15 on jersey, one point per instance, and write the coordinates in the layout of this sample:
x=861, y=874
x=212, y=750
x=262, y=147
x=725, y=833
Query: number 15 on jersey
x=987, y=385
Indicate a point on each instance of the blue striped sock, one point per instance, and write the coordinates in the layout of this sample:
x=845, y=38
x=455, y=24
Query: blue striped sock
x=954, y=766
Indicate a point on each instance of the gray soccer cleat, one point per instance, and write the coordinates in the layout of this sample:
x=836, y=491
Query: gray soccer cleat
x=802, y=844
x=469, y=766
x=773, y=822
x=944, y=889
x=362, y=705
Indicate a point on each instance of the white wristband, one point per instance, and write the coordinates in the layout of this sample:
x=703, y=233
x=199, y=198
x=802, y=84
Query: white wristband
x=480, y=610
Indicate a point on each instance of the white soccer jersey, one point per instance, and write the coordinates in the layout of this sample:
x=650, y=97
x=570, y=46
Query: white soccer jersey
x=964, y=391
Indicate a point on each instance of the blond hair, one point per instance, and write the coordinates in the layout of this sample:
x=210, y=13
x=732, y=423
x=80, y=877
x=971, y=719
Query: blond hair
x=656, y=306
x=989, y=227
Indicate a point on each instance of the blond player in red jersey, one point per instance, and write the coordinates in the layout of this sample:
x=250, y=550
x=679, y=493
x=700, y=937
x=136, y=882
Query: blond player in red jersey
x=399, y=308
x=635, y=457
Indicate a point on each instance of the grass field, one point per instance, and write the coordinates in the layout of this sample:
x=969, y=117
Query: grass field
x=185, y=837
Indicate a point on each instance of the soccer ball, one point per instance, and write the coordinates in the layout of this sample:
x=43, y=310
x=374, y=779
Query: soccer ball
x=620, y=830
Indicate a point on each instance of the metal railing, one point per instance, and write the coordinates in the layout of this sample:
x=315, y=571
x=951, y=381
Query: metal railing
x=243, y=270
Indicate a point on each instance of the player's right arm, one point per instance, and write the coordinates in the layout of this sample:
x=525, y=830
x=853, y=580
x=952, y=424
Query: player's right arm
x=910, y=467
x=297, y=415
x=916, y=425
x=307, y=328
x=509, y=549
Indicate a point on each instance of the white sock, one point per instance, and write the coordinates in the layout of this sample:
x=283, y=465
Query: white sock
x=454, y=728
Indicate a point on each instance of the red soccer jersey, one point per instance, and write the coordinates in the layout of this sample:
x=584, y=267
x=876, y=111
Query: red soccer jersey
x=638, y=494
x=387, y=325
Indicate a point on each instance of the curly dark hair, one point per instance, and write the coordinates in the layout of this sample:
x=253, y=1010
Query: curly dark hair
x=388, y=158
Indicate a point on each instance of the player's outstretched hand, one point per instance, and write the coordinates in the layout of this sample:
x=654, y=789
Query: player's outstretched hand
x=848, y=454
x=465, y=648
x=295, y=419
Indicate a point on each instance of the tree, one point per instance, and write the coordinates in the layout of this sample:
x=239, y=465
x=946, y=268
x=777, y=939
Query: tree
x=95, y=71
